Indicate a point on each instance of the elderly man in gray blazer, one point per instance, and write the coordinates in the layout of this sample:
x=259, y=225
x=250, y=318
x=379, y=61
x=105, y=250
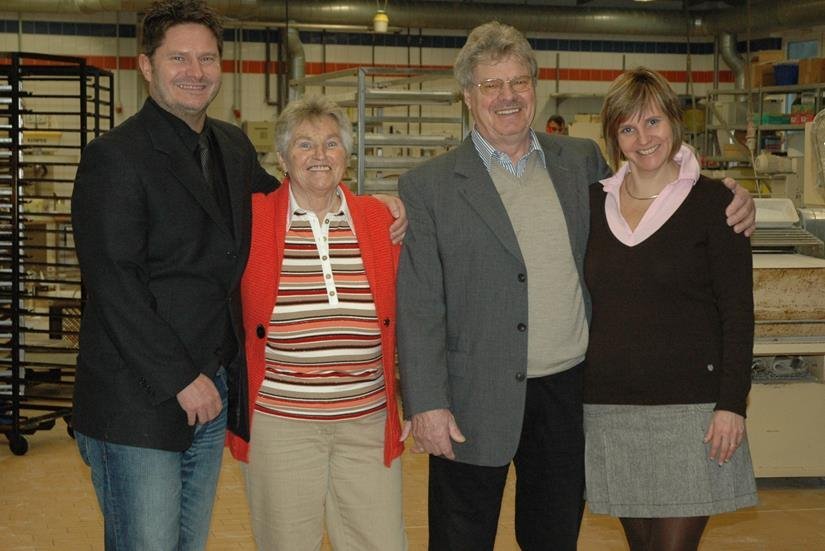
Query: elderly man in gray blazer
x=493, y=310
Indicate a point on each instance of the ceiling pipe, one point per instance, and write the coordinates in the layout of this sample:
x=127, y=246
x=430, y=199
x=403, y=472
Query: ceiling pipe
x=768, y=15
x=65, y=6
x=412, y=14
x=527, y=18
x=727, y=50
x=296, y=61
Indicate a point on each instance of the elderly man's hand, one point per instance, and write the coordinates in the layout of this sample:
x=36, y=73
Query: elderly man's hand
x=396, y=206
x=434, y=432
x=741, y=212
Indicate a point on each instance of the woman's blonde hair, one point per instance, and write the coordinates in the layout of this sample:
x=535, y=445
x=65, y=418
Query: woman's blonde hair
x=628, y=96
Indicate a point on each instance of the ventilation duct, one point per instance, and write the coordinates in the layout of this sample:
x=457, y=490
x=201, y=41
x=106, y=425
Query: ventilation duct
x=414, y=14
x=727, y=50
x=766, y=15
x=296, y=61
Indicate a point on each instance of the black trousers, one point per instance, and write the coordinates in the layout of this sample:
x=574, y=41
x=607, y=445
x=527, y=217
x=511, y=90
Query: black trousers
x=465, y=500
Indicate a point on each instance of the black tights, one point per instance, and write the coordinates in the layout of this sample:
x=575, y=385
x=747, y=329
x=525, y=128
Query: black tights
x=664, y=534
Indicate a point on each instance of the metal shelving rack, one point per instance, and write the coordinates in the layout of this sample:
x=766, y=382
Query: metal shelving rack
x=403, y=116
x=759, y=96
x=50, y=107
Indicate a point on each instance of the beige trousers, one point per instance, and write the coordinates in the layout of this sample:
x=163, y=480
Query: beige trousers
x=301, y=473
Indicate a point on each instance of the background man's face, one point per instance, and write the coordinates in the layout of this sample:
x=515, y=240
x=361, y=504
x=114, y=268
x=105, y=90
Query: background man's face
x=554, y=128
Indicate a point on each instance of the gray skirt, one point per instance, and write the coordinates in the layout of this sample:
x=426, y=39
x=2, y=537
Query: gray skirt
x=650, y=462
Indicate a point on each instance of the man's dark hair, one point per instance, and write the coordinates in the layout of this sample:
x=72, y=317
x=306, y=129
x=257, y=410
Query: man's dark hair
x=164, y=14
x=558, y=119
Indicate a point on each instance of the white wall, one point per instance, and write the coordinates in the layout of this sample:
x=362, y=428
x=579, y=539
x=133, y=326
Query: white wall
x=71, y=39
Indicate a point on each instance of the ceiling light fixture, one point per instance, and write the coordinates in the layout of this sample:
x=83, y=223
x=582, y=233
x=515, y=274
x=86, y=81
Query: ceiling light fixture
x=381, y=21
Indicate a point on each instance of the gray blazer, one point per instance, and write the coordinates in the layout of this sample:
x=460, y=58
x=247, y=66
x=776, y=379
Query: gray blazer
x=462, y=291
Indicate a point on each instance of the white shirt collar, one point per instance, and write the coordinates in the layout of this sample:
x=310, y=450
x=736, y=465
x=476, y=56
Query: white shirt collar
x=294, y=207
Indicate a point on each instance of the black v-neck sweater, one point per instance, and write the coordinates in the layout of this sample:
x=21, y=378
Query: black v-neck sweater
x=672, y=316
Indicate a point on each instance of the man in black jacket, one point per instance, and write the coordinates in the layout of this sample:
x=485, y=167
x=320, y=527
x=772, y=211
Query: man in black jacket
x=161, y=251
x=161, y=216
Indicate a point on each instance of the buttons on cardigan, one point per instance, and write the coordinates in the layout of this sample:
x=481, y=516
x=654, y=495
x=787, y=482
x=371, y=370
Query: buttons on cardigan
x=522, y=278
x=260, y=332
x=386, y=322
x=710, y=367
x=520, y=376
x=521, y=327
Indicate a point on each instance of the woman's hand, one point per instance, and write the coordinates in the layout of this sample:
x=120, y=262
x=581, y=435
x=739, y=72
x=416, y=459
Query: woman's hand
x=725, y=433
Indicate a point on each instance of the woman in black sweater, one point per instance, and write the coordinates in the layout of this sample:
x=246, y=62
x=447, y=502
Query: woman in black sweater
x=668, y=365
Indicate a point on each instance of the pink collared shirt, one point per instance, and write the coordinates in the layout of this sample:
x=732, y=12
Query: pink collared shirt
x=660, y=210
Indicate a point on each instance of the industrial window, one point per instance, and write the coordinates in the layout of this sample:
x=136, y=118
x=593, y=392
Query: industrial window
x=803, y=49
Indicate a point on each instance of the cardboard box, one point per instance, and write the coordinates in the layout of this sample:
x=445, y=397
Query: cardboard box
x=761, y=74
x=585, y=117
x=768, y=56
x=812, y=70
x=261, y=134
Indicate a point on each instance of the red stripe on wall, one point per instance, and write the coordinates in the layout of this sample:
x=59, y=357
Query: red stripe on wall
x=257, y=67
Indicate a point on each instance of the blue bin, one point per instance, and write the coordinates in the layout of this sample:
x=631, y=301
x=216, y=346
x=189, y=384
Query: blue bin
x=785, y=73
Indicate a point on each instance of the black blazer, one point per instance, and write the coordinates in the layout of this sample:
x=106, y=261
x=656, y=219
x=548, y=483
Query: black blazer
x=160, y=268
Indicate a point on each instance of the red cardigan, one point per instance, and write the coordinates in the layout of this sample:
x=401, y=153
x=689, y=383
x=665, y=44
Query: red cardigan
x=259, y=286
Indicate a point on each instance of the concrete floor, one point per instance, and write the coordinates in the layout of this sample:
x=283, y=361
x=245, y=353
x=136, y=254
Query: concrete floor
x=47, y=503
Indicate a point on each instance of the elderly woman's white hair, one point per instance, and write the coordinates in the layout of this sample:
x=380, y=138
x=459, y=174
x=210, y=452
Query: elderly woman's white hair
x=310, y=108
x=489, y=43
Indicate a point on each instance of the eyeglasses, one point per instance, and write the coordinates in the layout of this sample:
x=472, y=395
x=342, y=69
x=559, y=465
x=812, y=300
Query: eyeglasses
x=494, y=86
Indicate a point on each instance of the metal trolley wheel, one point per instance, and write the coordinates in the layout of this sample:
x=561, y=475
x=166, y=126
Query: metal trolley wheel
x=18, y=444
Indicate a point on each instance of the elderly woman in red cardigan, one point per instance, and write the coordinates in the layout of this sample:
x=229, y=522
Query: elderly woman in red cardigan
x=319, y=316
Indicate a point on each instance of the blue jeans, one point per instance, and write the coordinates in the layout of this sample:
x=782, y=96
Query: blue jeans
x=155, y=499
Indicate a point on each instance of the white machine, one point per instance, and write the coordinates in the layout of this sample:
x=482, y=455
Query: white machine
x=787, y=400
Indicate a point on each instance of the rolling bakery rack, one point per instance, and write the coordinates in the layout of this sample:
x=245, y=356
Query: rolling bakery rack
x=50, y=108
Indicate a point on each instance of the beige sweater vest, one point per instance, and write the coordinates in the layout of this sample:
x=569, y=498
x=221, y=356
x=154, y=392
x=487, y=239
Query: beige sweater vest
x=557, y=326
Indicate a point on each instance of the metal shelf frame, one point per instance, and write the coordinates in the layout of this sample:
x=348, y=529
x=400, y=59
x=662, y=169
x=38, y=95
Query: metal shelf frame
x=758, y=96
x=40, y=288
x=371, y=89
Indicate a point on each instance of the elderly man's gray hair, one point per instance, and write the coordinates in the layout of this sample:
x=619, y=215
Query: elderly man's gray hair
x=489, y=43
x=310, y=108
